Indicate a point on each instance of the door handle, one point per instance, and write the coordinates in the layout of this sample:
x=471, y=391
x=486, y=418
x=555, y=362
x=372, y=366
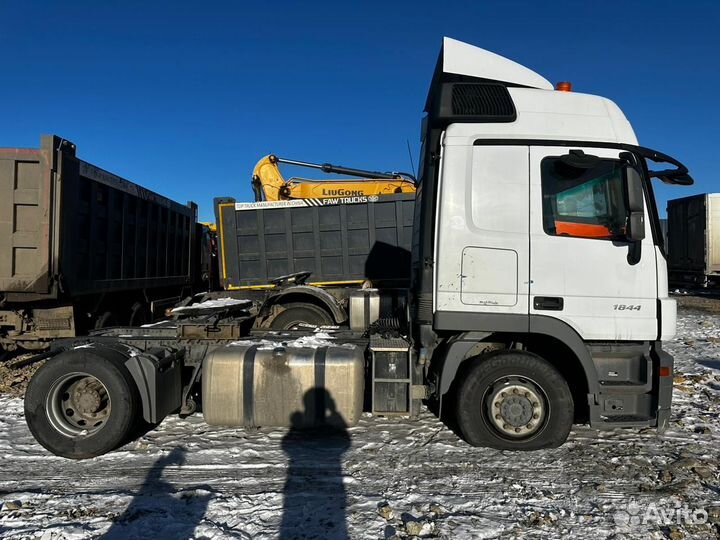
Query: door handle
x=550, y=303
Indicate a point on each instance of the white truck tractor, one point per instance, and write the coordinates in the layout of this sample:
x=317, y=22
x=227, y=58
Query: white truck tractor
x=537, y=298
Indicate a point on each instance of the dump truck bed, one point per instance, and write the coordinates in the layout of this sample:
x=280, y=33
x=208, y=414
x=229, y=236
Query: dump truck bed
x=69, y=228
x=338, y=241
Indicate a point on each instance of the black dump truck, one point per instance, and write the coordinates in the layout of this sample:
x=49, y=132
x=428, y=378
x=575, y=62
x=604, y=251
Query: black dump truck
x=303, y=259
x=82, y=248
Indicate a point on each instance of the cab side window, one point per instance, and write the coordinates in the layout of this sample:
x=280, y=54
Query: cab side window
x=584, y=202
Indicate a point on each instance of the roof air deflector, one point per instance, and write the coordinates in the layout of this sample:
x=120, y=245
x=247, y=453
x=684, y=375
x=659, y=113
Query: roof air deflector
x=460, y=61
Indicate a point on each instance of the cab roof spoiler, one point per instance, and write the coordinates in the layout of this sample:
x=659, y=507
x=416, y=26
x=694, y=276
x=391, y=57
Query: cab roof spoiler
x=462, y=62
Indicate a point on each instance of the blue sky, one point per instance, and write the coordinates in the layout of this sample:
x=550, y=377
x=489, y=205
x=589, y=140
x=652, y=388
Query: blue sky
x=185, y=97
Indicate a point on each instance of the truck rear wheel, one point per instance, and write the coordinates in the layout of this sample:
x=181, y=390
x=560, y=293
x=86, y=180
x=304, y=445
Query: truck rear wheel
x=298, y=313
x=81, y=404
x=514, y=401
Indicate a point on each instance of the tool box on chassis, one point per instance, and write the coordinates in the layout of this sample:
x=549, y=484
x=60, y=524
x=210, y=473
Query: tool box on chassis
x=81, y=247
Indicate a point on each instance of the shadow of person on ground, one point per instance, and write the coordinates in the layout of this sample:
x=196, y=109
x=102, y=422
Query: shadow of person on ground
x=712, y=363
x=158, y=510
x=314, y=495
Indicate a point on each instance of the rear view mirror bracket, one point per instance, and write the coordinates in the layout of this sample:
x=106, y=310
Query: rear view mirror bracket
x=634, y=198
x=678, y=176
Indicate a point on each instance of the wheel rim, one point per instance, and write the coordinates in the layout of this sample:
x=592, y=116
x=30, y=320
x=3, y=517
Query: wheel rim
x=78, y=405
x=516, y=407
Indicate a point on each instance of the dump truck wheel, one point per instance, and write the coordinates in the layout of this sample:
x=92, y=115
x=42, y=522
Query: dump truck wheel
x=297, y=313
x=81, y=404
x=513, y=401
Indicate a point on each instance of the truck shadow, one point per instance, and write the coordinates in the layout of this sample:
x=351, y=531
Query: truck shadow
x=315, y=502
x=388, y=262
x=157, y=510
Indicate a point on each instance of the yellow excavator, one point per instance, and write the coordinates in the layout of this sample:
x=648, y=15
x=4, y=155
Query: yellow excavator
x=270, y=185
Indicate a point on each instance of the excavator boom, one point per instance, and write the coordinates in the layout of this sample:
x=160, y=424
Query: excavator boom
x=270, y=185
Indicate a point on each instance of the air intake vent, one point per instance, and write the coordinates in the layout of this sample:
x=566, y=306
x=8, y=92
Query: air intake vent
x=474, y=102
x=481, y=100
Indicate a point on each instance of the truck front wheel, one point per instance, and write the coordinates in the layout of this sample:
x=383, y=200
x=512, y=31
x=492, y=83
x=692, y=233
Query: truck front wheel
x=81, y=404
x=512, y=400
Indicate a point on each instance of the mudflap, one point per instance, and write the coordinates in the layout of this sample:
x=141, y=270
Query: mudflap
x=663, y=362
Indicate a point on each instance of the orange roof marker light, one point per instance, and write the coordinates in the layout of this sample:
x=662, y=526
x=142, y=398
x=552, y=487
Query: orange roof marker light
x=564, y=86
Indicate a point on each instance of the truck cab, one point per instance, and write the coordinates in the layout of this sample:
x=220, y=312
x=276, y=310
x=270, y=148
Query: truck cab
x=537, y=230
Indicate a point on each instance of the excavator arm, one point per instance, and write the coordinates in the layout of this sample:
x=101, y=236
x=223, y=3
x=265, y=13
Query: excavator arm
x=270, y=185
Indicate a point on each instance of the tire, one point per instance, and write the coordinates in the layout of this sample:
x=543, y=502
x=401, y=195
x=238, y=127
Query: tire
x=82, y=404
x=513, y=401
x=300, y=313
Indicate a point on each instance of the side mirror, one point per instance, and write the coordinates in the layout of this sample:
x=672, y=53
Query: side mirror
x=636, y=226
x=635, y=205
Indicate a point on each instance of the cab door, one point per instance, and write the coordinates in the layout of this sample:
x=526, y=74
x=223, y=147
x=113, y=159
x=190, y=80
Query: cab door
x=583, y=268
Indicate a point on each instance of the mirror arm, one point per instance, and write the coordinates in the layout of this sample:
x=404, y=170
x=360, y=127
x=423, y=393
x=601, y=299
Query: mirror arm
x=669, y=176
x=634, y=252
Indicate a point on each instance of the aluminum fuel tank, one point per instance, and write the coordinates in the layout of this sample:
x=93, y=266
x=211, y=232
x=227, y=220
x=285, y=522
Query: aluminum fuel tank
x=251, y=385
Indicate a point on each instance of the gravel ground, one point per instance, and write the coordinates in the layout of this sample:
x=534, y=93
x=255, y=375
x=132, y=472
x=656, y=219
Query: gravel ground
x=385, y=478
x=14, y=379
x=707, y=303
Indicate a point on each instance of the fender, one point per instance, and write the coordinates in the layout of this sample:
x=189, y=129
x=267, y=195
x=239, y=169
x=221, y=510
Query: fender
x=298, y=291
x=455, y=355
x=563, y=332
x=480, y=326
x=159, y=382
x=156, y=374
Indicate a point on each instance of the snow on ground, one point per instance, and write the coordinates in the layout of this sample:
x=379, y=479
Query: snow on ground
x=382, y=479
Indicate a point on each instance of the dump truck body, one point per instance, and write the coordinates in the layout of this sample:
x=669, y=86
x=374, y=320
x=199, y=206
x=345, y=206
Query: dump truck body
x=74, y=236
x=342, y=240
